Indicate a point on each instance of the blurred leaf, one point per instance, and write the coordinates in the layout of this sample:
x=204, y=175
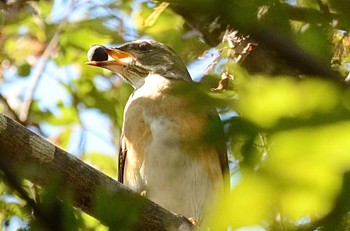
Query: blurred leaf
x=307, y=3
x=63, y=138
x=152, y=18
x=22, y=48
x=300, y=178
x=59, y=213
x=82, y=39
x=168, y=27
x=75, y=44
x=106, y=164
x=2, y=18
x=67, y=115
x=90, y=223
x=102, y=33
x=24, y=70
x=319, y=48
x=324, y=153
x=266, y=101
x=340, y=6
x=43, y=8
x=233, y=211
x=108, y=207
x=37, y=114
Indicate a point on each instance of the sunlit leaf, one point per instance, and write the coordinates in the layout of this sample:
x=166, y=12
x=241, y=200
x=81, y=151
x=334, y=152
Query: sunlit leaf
x=236, y=212
x=63, y=138
x=310, y=161
x=161, y=30
x=66, y=116
x=91, y=223
x=156, y=13
x=106, y=164
x=266, y=101
x=82, y=38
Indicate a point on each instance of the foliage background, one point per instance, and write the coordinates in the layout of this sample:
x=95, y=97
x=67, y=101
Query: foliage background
x=287, y=116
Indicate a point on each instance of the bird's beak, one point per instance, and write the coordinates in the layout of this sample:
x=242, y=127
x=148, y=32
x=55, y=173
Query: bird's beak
x=116, y=57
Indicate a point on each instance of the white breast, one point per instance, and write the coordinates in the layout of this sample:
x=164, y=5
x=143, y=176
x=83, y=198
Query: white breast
x=170, y=176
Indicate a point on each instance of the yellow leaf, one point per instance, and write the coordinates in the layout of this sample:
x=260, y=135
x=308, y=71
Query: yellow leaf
x=247, y=204
x=152, y=18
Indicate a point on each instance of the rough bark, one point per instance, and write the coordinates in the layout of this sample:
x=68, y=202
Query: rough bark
x=28, y=156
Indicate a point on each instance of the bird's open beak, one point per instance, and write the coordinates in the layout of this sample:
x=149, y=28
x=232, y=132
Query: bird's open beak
x=116, y=57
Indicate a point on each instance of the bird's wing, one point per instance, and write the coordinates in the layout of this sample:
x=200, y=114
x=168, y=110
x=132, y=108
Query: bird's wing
x=217, y=136
x=121, y=159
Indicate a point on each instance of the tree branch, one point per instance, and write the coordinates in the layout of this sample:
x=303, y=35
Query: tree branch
x=275, y=48
x=31, y=157
x=192, y=10
x=40, y=68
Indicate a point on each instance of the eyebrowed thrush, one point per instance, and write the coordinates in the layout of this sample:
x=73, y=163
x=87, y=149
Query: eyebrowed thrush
x=168, y=152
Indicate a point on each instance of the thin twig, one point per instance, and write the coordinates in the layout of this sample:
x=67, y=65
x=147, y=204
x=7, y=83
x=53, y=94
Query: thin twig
x=28, y=101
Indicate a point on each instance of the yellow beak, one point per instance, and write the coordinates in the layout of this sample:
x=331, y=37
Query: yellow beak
x=119, y=57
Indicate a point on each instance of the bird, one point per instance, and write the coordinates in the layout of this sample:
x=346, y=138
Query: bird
x=168, y=153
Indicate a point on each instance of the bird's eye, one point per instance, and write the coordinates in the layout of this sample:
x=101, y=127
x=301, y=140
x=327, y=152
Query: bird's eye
x=143, y=46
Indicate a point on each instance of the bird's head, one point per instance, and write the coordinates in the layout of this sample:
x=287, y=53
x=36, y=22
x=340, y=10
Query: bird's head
x=136, y=60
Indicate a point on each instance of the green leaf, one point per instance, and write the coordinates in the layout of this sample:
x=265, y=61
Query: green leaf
x=234, y=211
x=24, y=70
x=320, y=48
x=67, y=115
x=266, y=101
x=106, y=164
x=310, y=163
x=82, y=38
x=63, y=138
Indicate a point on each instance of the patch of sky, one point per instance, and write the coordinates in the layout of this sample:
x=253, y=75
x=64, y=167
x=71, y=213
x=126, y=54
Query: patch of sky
x=74, y=10
x=9, y=199
x=199, y=67
x=51, y=85
x=347, y=66
x=94, y=136
x=14, y=224
x=99, y=135
x=292, y=2
x=102, y=83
